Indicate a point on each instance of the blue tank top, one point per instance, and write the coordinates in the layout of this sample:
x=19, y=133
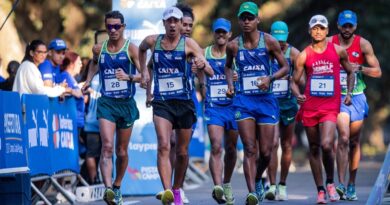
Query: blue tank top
x=251, y=64
x=216, y=86
x=171, y=72
x=281, y=88
x=108, y=63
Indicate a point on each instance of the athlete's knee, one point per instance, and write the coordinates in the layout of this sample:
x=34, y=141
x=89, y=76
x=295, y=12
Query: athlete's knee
x=181, y=156
x=286, y=146
x=216, y=150
x=327, y=147
x=231, y=150
x=163, y=148
x=107, y=150
x=121, y=152
x=250, y=151
x=314, y=149
x=343, y=141
x=354, y=143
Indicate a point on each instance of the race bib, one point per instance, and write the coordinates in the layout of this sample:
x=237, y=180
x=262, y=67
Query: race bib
x=218, y=91
x=114, y=84
x=250, y=83
x=343, y=80
x=280, y=88
x=322, y=86
x=170, y=84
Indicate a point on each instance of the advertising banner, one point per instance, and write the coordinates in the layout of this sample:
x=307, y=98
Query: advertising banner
x=13, y=157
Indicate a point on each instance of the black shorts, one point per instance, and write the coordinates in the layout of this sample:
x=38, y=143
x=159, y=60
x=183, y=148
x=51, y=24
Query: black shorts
x=94, y=144
x=181, y=113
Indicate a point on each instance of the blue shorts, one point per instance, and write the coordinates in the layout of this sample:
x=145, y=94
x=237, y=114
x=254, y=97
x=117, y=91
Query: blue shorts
x=222, y=116
x=264, y=109
x=359, y=108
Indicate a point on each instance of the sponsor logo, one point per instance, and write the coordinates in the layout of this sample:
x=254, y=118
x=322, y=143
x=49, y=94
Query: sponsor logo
x=237, y=115
x=144, y=173
x=355, y=54
x=322, y=66
x=254, y=67
x=168, y=70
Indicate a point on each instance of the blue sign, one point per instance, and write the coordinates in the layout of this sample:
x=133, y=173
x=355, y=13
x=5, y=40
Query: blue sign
x=13, y=156
x=64, y=149
x=197, y=143
x=142, y=17
x=37, y=127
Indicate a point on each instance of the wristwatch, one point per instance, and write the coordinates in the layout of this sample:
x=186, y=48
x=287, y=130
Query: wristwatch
x=360, y=68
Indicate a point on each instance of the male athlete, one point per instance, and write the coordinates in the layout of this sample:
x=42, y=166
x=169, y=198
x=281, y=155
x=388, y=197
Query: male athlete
x=320, y=103
x=350, y=119
x=256, y=108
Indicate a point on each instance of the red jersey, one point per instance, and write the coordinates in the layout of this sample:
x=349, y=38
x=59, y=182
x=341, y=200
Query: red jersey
x=322, y=79
x=354, y=51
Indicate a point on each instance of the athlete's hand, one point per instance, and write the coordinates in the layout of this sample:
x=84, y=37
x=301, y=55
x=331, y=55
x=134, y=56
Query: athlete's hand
x=197, y=64
x=355, y=67
x=149, y=99
x=121, y=75
x=263, y=82
x=145, y=79
x=85, y=87
x=230, y=93
x=348, y=100
x=235, y=76
x=301, y=98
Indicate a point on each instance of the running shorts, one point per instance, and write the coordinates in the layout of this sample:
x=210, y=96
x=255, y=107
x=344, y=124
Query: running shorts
x=181, y=113
x=222, y=116
x=263, y=109
x=359, y=108
x=121, y=111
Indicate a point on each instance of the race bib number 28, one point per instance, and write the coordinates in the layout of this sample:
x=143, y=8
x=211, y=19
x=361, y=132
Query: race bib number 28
x=115, y=84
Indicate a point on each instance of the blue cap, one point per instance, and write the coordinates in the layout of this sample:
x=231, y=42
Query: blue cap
x=279, y=30
x=347, y=16
x=223, y=24
x=57, y=44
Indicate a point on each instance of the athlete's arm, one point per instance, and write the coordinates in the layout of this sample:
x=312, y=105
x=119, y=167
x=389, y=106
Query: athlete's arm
x=133, y=50
x=293, y=56
x=146, y=44
x=297, y=74
x=93, y=67
x=373, y=69
x=199, y=59
x=350, y=72
x=231, y=52
x=274, y=49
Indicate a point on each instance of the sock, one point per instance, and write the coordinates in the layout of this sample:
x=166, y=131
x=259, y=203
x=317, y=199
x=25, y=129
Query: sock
x=116, y=187
x=329, y=181
x=282, y=183
x=320, y=188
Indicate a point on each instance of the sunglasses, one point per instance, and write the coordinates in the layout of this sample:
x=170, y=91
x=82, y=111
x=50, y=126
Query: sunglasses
x=314, y=21
x=247, y=17
x=113, y=26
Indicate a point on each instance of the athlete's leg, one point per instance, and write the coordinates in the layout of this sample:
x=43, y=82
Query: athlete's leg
x=354, y=150
x=172, y=153
x=266, y=144
x=230, y=154
x=273, y=164
x=327, y=130
x=183, y=137
x=107, y=129
x=122, y=142
x=216, y=134
x=314, y=154
x=342, y=145
x=163, y=130
x=247, y=130
x=287, y=133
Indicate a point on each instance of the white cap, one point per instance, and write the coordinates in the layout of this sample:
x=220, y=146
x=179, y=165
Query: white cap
x=318, y=20
x=172, y=12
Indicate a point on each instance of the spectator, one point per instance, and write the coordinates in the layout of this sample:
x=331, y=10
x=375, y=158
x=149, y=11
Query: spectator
x=12, y=68
x=82, y=76
x=50, y=68
x=91, y=128
x=71, y=67
x=28, y=79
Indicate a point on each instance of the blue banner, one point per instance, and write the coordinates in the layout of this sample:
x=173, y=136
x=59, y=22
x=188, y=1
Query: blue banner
x=13, y=156
x=197, y=143
x=64, y=149
x=142, y=17
x=37, y=126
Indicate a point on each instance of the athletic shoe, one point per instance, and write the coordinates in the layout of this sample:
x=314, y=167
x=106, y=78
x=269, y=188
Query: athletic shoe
x=282, y=193
x=227, y=191
x=341, y=190
x=332, y=193
x=118, y=197
x=218, y=194
x=259, y=190
x=184, y=197
x=167, y=197
x=251, y=199
x=271, y=192
x=351, y=193
x=321, y=197
x=159, y=195
x=109, y=196
x=177, y=197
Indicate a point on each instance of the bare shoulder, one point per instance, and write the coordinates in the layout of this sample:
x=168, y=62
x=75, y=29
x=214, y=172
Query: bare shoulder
x=269, y=38
x=233, y=44
x=294, y=52
x=365, y=45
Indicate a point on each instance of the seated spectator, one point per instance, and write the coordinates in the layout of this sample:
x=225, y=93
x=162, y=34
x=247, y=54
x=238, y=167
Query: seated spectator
x=12, y=68
x=28, y=79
